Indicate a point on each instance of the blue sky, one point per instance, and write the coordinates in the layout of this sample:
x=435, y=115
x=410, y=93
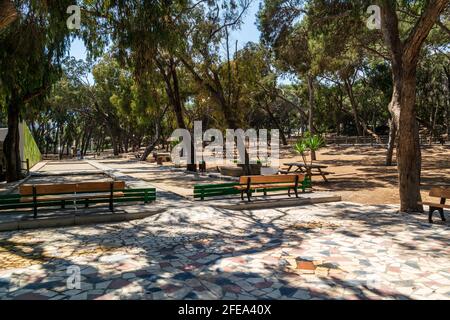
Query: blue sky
x=248, y=33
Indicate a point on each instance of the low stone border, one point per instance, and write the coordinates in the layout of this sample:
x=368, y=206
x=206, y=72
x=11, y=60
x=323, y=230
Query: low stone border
x=278, y=203
x=15, y=185
x=75, y=220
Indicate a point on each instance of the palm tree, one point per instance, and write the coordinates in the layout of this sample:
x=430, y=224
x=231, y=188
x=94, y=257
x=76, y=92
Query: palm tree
x=314, y=143
x=301, y=148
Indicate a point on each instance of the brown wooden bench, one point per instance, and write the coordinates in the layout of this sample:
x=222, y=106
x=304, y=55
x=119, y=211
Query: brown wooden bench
x=72, y=192
x=290, y=182
x=438, y=192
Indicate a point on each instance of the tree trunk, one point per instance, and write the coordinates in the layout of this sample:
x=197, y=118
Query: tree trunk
x=404, y=59
x=311, y=111
x=277, y=124
x=56, y=141
x=178, y=108
x=149, y=149
x=11, y=148
x=86, y=142
x=349, y=89
x=408, y=150
x=115, y=135
x=157, y=138
x=391, y=143
x=447, y=113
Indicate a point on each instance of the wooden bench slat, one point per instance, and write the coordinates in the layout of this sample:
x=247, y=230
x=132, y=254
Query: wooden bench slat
x=99, y=186
x=436, y=205
x=250, y=183
x=72, y=197
x=271, y=179
x=265, y=186
x=27, y=190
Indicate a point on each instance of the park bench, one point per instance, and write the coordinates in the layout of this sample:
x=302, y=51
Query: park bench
x=60, y=195
x=438, y=192
x=247, y=184
x=204, y=191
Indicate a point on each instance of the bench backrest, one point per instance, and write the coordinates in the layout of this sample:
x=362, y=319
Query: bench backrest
x=284, y=178
x=440, y=192
x=100, y=186
x=42, y=189
x=27, y=190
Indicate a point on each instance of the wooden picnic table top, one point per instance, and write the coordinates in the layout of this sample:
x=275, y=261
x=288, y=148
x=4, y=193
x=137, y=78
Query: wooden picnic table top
x=301, y=164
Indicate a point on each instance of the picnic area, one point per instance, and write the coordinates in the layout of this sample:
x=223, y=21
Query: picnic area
x=224, y=150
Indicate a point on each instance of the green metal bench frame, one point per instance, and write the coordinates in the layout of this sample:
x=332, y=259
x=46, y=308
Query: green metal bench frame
x=203, y=191
x=13, y=201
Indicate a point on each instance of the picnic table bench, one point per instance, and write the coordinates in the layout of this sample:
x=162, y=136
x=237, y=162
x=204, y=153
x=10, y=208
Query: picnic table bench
x=438, y=192
x=60, y=195
x=309, y=170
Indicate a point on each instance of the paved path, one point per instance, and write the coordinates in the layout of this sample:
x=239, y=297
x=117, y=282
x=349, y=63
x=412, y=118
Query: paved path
x=196, y=252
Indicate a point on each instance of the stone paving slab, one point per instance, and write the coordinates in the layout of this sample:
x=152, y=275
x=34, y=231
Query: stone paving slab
x=193, y=251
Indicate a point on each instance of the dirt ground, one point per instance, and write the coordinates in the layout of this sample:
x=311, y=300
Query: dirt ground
x=360, y=175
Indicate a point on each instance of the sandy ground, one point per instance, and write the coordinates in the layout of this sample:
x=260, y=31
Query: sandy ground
x=360, y=174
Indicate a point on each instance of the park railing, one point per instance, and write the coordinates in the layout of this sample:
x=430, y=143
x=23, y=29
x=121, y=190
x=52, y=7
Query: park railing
x=370, y=140
x=357, y=140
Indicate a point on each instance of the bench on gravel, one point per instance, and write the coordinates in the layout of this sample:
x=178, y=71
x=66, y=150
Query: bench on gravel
x=87, y=193
x=438, y=192
x=290, y=182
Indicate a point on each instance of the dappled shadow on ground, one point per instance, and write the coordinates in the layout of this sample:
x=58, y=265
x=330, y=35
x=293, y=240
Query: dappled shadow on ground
x=346, y=184
x=384, y=221
x=194, y=251
x=184, y=254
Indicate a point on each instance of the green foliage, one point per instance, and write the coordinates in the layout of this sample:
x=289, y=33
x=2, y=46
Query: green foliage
x=30, y=148
x=301, y=148
x=175, y=60
x=32, y=47
x=314, y=142
x=309, y=142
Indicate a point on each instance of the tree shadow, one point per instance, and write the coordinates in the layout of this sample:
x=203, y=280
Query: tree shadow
x=208, y=260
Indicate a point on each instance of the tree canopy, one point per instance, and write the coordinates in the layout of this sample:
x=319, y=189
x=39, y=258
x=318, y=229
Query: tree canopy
x=161, y=65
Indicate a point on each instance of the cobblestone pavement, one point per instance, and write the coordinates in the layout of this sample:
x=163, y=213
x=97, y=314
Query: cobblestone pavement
x=195, y=251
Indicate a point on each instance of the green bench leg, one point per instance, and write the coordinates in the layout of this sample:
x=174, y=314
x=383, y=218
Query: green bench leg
x=145, y=197
x=35, y=207
x=111, y=198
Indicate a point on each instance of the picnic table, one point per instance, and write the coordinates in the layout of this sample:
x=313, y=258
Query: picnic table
x=309, y=169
